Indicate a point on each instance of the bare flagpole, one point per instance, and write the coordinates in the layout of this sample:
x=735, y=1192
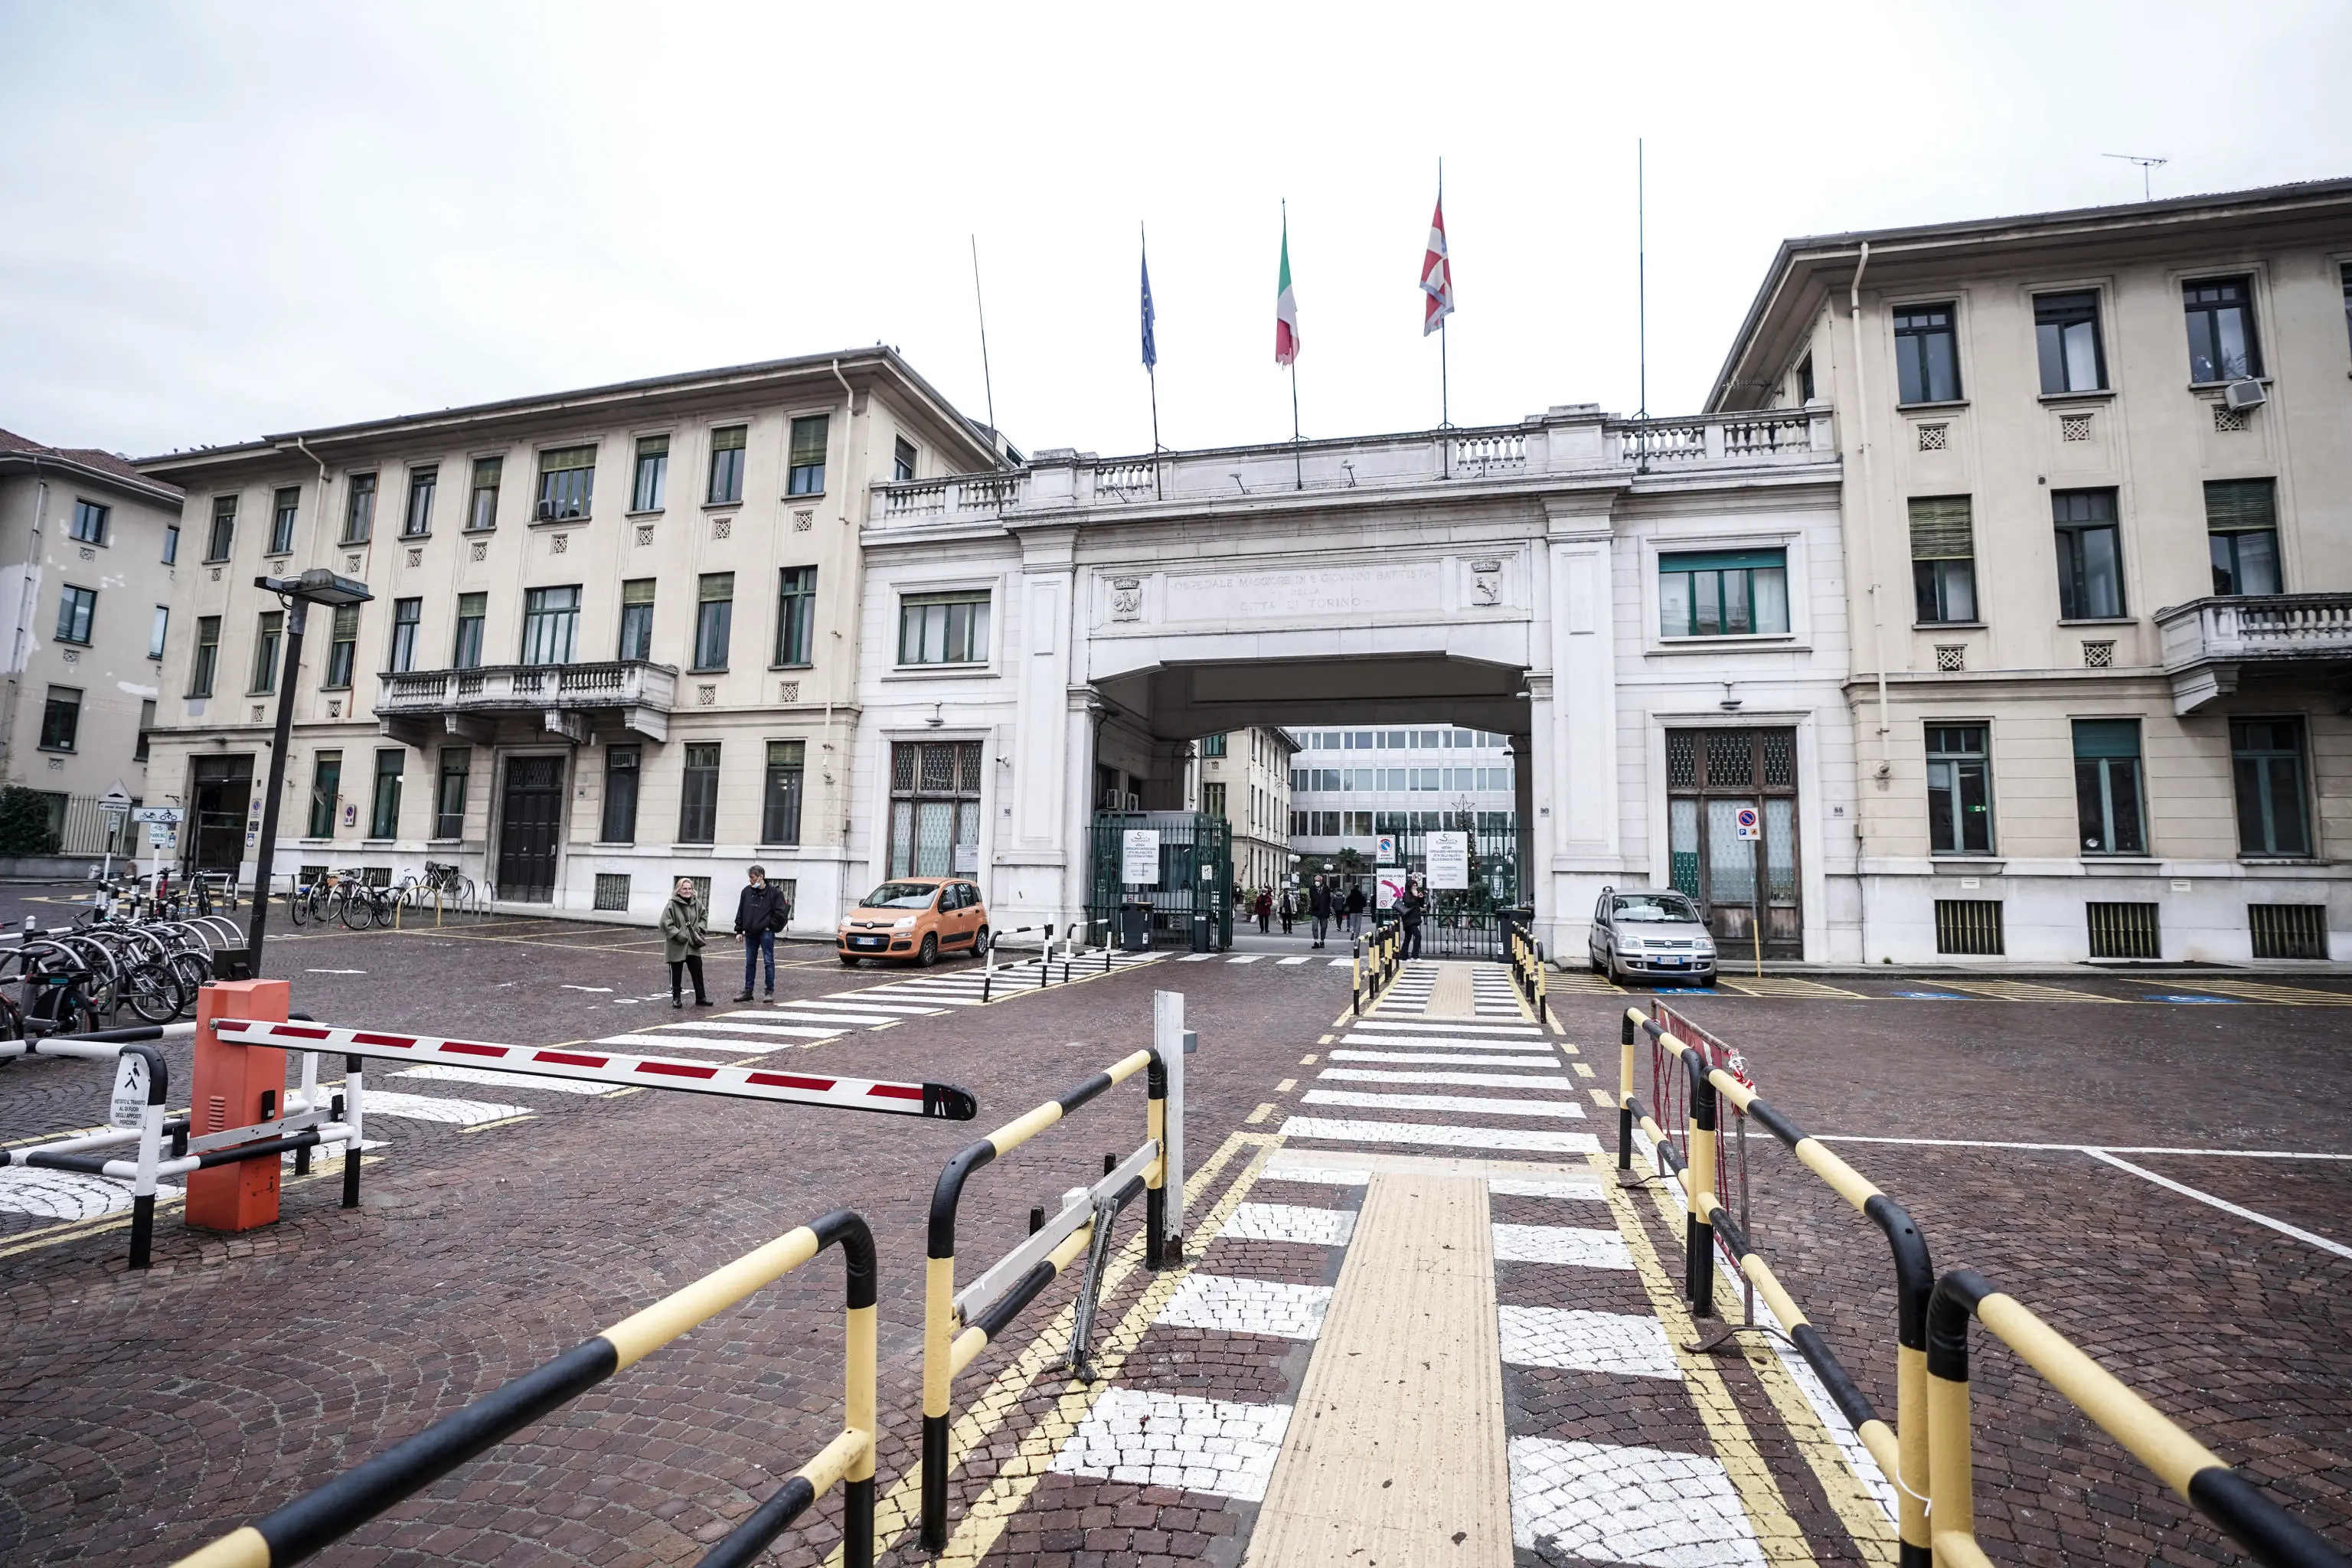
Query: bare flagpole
x=1641, y=276
x=996, y=437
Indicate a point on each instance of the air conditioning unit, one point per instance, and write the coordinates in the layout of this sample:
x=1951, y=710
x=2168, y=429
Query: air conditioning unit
x=546, y=512
x=2240, y=395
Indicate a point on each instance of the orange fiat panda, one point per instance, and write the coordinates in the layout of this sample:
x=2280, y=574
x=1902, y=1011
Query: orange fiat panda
x=918, y=918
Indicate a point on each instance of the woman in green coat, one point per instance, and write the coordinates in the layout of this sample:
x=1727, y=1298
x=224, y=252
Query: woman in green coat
x=684, y=926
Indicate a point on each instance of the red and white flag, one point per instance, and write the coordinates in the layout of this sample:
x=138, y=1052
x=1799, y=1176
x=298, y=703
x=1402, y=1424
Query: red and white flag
x=1436, y=274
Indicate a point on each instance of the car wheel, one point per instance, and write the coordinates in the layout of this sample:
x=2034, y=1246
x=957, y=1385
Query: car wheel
x=928, y=953
x=980, y=942
x=1592, y=960
x=848, y=960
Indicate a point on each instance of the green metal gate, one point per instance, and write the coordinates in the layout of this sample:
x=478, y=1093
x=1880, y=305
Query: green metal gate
x=1465, y=923
x=1195, y=873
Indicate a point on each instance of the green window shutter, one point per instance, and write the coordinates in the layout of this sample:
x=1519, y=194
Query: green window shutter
x=1723, y=560
x=2107, y=738
x=2232, y=506
x=728, y=438
x=640, y=591
x=1942, y=529
x=717, y=586
x=808, y=440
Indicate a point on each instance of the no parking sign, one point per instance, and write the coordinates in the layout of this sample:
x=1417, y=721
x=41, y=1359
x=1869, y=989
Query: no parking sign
x=1748, y=828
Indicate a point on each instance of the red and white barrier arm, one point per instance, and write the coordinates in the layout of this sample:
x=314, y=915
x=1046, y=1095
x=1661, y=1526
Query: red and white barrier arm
x=939, y=1100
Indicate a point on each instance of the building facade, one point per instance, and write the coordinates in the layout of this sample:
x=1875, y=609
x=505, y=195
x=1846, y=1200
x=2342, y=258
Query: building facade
x=89, y=554
x=1244, y=777
x=2098, y=520
x=613, y=639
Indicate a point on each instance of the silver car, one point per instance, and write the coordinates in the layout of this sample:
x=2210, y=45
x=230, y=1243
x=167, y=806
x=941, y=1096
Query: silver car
x=1654, y=936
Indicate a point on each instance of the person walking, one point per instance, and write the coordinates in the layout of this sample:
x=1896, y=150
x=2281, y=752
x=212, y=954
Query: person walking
x=685, y=924
x=1319, y=904
x=1265, y=912
x=1355, y=905
x=1289, y=910
x=760, y=911
x=1411, y=906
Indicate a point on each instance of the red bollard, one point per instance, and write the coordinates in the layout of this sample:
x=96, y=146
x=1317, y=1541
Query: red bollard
x=229, y=1086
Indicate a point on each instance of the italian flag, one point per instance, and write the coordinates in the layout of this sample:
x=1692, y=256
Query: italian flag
x=1285, y=306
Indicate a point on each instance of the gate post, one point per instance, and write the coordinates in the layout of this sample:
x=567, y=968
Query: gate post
x=237, y=1086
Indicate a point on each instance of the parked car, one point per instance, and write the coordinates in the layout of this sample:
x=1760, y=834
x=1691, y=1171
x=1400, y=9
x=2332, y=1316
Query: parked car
x=1653, y=934
x=916, y=918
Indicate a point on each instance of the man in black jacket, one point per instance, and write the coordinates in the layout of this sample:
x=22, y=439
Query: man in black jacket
x=760, y=911
x=1319, y=904
x=1411, y=906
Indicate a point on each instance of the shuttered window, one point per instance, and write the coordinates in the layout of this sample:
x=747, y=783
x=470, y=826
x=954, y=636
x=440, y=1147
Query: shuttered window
x=2241, y=528
x=1943, y=558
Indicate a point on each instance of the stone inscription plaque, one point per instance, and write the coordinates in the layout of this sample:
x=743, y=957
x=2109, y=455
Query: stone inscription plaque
x=1305, y=593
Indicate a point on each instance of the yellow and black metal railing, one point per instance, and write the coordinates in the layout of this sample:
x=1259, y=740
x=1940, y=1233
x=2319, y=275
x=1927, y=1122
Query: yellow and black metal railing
x=2268, y=1533
x=958, y=1325
x=1375, y=963
x=1526, y=957
x=319, y=1518
x=1902, y=1454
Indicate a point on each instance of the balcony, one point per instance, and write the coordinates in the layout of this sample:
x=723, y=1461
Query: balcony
x=2211, y=643
x=1569, y=444
x=468, y=702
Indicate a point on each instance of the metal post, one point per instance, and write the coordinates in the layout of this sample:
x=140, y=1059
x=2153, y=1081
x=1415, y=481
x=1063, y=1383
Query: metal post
x=257, y=929
x=1168, y=1038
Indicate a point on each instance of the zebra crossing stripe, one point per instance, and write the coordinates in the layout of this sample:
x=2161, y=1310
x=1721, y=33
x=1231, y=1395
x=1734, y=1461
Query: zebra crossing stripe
x=1345, y=1131
x=1452, y=1104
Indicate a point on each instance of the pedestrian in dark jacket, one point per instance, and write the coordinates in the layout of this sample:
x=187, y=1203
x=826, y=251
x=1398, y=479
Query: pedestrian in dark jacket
x=1319, y=904
x=1289, y=910
x=1355, y=905
x=1265, y=912
x=684, y=923
x=760, y=911
x=1411, y=906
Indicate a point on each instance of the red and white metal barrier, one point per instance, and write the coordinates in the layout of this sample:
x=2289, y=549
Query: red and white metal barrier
x=938, y=1100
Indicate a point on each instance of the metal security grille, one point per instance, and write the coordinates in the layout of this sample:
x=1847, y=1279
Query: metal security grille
x=2288, y=931
x=2124, y=930
x=935, y=808
x=612, y=892
x=1744, y=875
x=1970, y=926
x=1196, y=873
x=1469, y=922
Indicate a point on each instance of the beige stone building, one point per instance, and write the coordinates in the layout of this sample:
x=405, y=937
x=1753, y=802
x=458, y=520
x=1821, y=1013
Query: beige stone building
x=2098, y=511
x=88, y=548
x=1244, y=776
x=612, y=642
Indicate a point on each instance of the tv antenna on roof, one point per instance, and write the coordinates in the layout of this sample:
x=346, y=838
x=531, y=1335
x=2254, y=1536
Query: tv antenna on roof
x=2146, y=167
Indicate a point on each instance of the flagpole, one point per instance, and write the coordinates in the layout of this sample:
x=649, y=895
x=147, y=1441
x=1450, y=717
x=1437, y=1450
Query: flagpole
x=1298, y=459
x=1151, y=372
x=1445, y=387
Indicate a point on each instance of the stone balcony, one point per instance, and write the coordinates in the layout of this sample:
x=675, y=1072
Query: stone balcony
x=1565, y=444
x=2209, y=644
x=471, y=702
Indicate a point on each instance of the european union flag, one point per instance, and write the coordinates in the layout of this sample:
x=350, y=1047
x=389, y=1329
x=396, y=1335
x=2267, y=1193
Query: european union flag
x=1150, y=348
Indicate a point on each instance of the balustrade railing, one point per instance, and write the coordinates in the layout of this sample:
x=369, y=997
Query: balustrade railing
x=2262, y=626
x=609, y=683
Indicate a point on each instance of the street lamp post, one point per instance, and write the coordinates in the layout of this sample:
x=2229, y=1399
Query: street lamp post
x=316, y=586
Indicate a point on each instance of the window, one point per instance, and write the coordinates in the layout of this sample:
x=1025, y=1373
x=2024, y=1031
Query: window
x=2089, y=557
x=807, y=475
x=482, y=512
x=471, y=610
x=796, y=615
x=343, y=648
x=207, y=659
x=449, y=794
x=902, y=451
x=326, y=791
x=780, y=794
x=646, y=490
x=1959, y=790
x=2067, y=337
x=268, y=633
x=943, y=628
x=567, y=482
x=1971, y=926
x=1213, y=745
x=2241, y=528
x=2108, y=787
x=612, y=891
x=155, y=630
x=1213, y=800
x=714, y=614
x=284, y=506
x=2266, y=755
x=727, y=465
x=1943, y=558
x=224, y=529
x=551, y=624
x=60, y=719
x=697, y=805
x=383, y=821
x=417, y=520
x=406, y=617
x=638, y=618
x=620, y=825
x=1805, y=392
x=934, y=808
x=88, y=525
x=76, y=608
x=146, y=724
x=170, y=543
x=2221, y=345
x=1723, y=593
x=359, y=510
x=1927, y=355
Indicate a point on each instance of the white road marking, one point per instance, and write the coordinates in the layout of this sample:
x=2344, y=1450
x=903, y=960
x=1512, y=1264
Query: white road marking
x=721, y=1027
x=1474, y=1079
x=1452, y=1104
x=1442, y=1042
x=663, y=1044
x=2224, y=1204
x=1530, y=1062
x=334, y=972
x=1451, y=1026
x=1520, y=1187
x=1154, y=1439
x=1291, y=960
x=600, y=990
x=1247, y=1307
x=522, y=1082
x=432, y=1108
x=1579, y=1340
x=1574, y=1245
x=1530, y=1140
x=1243, y=957
x=1325, y=1175
x=1628, y=1505
x=2085, y=1147
x=1288, y=1222
x=1196, y=958
x=66, y=1194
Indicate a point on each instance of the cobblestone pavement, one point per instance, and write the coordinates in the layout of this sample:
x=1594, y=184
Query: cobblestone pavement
x=142, y=1414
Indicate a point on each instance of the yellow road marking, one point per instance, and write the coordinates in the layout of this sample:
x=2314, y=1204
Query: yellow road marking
x=1286, y=1085
x=1260, y=1114
x=1307, y=1061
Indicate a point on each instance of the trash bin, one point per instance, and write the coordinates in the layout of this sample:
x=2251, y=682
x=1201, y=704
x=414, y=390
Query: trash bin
x=1135, y=928
x=1201, y=927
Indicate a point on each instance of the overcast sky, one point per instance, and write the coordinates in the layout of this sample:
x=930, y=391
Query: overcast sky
x=223, y=221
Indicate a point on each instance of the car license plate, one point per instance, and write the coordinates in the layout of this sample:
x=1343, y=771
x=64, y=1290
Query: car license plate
x=865, y=942
x=1675, y=963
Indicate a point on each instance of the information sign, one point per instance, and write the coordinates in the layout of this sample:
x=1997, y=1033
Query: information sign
x=1449, y=860
x=1138, y=857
